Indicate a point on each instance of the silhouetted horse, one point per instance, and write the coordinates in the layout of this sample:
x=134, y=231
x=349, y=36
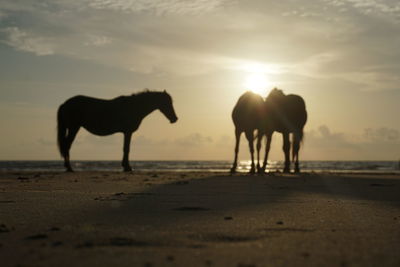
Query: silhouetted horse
x=247, y=117
x=104, y=117
x=285, y=114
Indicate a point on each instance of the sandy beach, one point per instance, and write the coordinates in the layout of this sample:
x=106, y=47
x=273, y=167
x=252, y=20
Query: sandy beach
x=199, y=219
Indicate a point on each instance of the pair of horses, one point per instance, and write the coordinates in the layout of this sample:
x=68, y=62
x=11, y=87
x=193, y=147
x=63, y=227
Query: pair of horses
x=279, y=112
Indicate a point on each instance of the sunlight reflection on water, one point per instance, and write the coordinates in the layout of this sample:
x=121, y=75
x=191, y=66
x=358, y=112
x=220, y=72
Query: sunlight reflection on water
x=203, y=166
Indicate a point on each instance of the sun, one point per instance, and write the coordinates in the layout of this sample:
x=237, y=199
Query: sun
x=257, y=75
x=256, y=82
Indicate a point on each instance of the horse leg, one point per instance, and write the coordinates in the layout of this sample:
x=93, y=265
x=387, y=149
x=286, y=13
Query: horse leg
x=286, y=150
x=125, y=159
x=237, y=135
x=259, y=140
x=295, y=152
x=267, y=148
x=250, y=138
x=70, y=138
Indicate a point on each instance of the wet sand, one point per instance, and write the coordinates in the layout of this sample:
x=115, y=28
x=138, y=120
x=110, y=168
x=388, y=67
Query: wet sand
x=199, y=219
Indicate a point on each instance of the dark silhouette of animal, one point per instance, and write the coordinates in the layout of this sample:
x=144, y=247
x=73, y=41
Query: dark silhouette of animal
x=285, y=114
x=247, y=116
x=104, y=117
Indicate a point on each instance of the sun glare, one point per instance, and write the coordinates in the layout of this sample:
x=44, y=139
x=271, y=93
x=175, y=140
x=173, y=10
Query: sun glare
x=257, y=83
x=257, y=76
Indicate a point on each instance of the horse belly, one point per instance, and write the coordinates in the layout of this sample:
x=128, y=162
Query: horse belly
x=101, y=124
x=106, y=126
x=97, y=131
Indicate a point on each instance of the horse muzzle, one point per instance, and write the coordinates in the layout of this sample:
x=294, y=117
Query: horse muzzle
x=173, y=120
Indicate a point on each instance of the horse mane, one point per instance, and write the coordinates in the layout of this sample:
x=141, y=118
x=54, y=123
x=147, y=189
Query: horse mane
x=276, y=93
x=144, y=94
x=146, y=91
x=139, y=96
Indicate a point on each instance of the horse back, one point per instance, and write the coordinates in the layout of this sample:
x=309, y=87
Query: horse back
x=287, y=114
x=296, y=110
x=86, y=100
x=99, y=116
x=248, y=111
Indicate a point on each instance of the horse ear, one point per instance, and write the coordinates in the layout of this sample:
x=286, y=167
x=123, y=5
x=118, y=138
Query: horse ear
x=165, y=91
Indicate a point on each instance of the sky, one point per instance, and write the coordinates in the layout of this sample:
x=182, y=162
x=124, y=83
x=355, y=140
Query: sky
x=341, y=56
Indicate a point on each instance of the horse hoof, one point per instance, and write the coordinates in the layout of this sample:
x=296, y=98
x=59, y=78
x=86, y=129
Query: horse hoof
x=286, y=170
x=69, y=170
x=128, y=169
x=233, y=170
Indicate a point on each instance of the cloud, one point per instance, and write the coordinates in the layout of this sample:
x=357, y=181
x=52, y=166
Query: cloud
x=25, y=41
x=368, y=7
x=339, y=39
x=143, y=141
x=159, y=7
x=340, y=139
x=193, y=140
x=371, y=144
x=96, y=40
x=382, y=135
x=324, y=138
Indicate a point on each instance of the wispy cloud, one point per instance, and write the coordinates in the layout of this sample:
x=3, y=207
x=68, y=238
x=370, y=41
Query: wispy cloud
x=96, y=40
x=24, y=41
x=368, y=7
x=160, y=7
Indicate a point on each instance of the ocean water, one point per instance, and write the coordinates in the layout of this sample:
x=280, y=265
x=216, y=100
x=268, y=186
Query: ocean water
x=204, y=166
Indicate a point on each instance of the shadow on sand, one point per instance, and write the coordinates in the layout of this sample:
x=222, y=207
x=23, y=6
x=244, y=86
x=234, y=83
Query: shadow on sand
x=223, y=196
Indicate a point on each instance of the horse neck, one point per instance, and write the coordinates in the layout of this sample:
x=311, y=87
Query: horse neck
x=145, y=103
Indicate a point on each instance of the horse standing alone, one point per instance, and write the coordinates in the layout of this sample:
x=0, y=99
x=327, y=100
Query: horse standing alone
x=104, y=117
x=285, y=114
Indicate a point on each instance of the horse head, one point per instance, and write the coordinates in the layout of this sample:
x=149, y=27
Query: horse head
x=274, y=101
x=166, y=107
x=275, y=94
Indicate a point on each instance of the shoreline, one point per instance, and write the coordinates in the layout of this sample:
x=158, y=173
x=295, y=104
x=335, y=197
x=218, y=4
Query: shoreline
x=307, y=167
x=209, y=172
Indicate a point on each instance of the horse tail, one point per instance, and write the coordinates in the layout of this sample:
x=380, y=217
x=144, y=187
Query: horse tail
x=297, y=136
x=61, y=132
x=301, y=135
